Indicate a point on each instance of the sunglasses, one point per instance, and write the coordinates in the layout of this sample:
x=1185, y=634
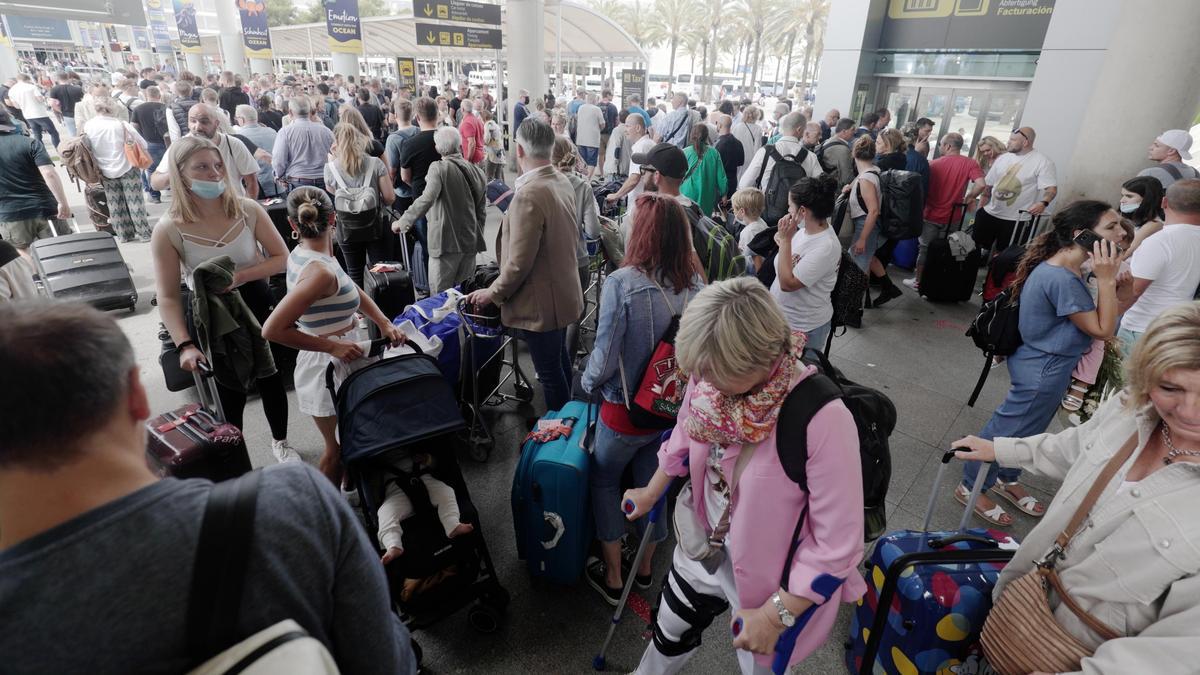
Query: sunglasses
x=1020, y=133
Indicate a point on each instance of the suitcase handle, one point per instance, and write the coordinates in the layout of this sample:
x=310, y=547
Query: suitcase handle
x=943, y=542
x=976, y=489
x=206, y=387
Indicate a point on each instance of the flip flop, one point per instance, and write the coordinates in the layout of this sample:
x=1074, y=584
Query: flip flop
x=1025, y=504
x=992, y=515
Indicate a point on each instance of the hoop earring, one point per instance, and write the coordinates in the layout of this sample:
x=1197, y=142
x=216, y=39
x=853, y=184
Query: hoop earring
x=295, y=235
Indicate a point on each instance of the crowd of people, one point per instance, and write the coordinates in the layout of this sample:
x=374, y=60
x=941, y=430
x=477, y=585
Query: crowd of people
x=219, y=146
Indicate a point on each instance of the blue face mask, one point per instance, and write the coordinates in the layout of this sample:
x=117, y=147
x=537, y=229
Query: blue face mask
x=207, y=189
x=1129, y=208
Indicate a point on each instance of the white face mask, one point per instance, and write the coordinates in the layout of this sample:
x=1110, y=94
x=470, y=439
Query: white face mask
x=1130, y=207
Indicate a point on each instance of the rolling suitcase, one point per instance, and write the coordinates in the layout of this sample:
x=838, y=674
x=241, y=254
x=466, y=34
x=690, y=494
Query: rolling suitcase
x=87, y=267
x=1002, y=268
x=194, y=441
x=947, y=277
x=550, y=495
x=928, y=594
x=391, y=288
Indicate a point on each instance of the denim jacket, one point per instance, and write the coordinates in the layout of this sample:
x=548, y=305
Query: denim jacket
x=633, y=316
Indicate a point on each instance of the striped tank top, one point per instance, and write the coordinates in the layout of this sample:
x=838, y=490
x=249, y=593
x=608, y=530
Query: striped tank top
x=329, y=315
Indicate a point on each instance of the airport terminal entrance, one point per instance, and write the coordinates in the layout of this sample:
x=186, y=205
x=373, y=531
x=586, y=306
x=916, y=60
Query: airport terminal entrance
x=974, y=109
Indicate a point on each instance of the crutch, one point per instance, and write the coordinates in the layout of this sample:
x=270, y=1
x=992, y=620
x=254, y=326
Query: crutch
x=598, y=662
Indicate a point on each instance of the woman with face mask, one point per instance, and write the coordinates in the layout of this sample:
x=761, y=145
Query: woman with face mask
x=207, y=220
x=1141, y=203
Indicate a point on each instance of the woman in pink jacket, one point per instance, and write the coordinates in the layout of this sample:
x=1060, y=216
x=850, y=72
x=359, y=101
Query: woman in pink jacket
x=743, y=361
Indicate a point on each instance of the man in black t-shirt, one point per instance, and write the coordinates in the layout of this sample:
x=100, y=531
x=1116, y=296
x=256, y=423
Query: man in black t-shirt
x=63, y=97
x=268, y=116
x=371, y=113
x=230, y=96
x=417, y=154
x=150, y=120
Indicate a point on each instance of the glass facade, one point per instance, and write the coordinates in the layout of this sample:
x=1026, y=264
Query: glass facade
x=957, y=64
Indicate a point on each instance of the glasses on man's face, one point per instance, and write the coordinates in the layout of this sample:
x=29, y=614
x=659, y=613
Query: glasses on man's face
x=1018, y=132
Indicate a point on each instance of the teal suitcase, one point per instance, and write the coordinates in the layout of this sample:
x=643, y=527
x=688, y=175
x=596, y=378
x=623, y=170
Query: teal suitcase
x=551, y=498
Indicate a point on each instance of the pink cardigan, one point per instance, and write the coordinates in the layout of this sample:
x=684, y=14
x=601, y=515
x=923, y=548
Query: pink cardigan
x=767, y=505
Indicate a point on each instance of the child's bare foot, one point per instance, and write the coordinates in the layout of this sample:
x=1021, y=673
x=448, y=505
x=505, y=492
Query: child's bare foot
x=391, y=554
x=461, y=529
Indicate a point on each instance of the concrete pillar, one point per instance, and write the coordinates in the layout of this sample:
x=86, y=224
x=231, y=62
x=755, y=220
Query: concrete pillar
x=526, y=55
x=9, y=65
x=146, y=58
x=345, y=64
x=233, y=51
x=1094, y=57
x=262, y=66
x=195, y=63
x=851, y=38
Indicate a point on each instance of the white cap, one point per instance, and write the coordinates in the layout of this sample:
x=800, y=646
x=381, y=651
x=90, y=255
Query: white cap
x=1178, y=139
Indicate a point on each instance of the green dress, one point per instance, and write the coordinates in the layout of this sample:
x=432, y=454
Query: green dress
x=705, y=183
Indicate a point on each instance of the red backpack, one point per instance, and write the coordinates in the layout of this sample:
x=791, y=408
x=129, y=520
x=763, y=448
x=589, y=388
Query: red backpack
x=659, y=394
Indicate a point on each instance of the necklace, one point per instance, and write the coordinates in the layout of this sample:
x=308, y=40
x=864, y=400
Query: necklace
x=1172, y=452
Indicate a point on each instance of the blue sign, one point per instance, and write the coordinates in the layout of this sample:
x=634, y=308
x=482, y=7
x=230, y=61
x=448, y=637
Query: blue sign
x=35, y=28
x=345, y=31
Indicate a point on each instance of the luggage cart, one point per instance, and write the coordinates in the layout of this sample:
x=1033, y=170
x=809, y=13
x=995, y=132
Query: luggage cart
x=489, y=354
x=597, y=270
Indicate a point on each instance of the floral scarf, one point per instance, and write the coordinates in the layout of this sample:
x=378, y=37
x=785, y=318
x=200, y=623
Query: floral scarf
x=749, y=418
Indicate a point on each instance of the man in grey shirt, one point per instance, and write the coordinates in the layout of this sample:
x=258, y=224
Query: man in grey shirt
x=264, y=137
x=1169, y=150
x=302, y=148
x=97, y=553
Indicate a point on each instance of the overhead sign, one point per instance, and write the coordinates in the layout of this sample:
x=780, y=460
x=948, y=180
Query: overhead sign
x=633, y=81
x=141, y=38
x=343, y=26
x=457, y=10
x=32, y=28
x=158, y=26
x=966, y=24
x=255, y=35
x=438, y=35
x=406, y=68
x=185, y=23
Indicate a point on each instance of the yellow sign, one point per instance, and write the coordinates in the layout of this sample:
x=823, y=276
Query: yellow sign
x=936, y=9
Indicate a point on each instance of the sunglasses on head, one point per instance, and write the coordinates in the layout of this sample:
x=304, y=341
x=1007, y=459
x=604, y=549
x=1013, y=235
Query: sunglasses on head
x=1020, y=133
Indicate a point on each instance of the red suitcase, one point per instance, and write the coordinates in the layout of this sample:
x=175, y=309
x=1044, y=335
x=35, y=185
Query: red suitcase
x=194, y=441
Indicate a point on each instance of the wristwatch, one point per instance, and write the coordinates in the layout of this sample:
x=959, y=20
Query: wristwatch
x=785, y=616
x=1045, y=203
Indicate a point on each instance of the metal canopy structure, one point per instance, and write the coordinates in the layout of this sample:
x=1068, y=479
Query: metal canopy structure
x=587, y=35
x=128, y=12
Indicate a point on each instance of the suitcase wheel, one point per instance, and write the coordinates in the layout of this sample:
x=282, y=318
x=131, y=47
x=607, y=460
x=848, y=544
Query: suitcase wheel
x=484, y=618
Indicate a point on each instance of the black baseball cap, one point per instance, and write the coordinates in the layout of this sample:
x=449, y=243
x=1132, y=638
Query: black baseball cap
x=666, y=158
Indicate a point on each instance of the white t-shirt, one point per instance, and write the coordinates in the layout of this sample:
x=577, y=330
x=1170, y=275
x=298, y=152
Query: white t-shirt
x=1017, y=183
x=749, y=233
x=588, y=122
x=1170, y=259
x=29, y=100
x=238, y=162
x=815, y=259
x=643, y=145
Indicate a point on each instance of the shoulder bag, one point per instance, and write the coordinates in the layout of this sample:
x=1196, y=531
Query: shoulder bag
x=134, y=152
x=1021, y=634
x=693, y=536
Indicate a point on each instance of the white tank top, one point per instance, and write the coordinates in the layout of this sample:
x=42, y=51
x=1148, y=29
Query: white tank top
x=242, y=248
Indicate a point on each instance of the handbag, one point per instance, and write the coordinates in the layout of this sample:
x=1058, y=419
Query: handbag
x=1021, y=634
x=692, y=535
x=136, y=154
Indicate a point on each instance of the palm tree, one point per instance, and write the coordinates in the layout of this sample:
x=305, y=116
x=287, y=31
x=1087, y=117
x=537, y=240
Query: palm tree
x=755, y=15
x=710, y=14
x=669, y=24
x=814, y=34
x=633, y=17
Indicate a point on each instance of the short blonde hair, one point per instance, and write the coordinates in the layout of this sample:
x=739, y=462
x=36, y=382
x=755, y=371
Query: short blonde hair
x=752, y=201
x=730, y=329
x=894, y=139
x=1171, y=342
x=183, y=207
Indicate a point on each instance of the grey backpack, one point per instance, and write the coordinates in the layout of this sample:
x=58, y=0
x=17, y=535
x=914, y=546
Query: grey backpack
x=357, y=208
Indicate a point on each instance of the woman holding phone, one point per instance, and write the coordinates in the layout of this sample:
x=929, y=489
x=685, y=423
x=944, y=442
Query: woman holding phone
x=1058, y=321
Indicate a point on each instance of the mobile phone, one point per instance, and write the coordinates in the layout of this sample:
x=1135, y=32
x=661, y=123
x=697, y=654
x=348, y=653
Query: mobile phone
x=1087, y=239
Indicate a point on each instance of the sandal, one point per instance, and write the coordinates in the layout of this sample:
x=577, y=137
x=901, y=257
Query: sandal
x=993, y=515
x=1072, y=401
x=1027, y=504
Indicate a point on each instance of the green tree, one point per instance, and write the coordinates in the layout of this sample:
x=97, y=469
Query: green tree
x=631, y=16
x=372, y=8
x=668, y=25
x=281, y=13
x=814, y=38
x=755, y=16
x=316, y=11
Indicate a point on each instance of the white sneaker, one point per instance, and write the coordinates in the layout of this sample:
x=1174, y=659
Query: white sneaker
x=284, y=452
x=911, y=283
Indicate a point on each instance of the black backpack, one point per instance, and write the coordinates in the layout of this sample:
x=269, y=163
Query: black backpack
x=787, y=169
x=826, y=165
x=847, y=296
x=874, y=416
x=903, y=202
x=996, y=330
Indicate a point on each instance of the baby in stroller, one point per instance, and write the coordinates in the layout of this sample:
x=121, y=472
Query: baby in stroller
x=397, y=506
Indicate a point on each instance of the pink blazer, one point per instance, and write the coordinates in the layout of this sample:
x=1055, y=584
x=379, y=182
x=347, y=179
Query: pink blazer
x=767, y=504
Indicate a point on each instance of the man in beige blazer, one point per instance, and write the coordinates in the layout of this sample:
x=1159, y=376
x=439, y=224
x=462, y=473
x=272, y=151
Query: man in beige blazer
x=538, y=288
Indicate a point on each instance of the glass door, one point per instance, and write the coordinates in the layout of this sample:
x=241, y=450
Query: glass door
x=933, y=103
x=900, y=102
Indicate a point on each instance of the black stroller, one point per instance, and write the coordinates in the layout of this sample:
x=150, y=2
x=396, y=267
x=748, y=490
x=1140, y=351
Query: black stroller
x=397, y=406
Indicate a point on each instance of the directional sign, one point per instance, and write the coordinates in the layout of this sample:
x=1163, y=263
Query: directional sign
x=439, y=35
x=457, y=10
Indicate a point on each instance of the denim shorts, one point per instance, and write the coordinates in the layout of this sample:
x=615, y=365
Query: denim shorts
x=873, y=243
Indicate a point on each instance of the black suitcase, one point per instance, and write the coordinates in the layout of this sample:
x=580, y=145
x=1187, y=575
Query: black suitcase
x=194, y=441
x=391, y=291
x=944, y=277
x=88, y=267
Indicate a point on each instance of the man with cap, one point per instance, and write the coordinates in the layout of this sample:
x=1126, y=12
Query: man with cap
x=1169, y=150
x=666, y=166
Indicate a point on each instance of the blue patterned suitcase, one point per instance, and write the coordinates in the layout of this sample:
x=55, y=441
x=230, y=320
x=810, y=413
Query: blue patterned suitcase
x=550, y=498
x=928, y=594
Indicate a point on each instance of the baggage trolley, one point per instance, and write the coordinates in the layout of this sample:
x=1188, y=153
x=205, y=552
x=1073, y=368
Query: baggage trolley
x=489, y=360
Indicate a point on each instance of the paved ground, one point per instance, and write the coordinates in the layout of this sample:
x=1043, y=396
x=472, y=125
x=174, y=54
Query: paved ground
x=912, y=350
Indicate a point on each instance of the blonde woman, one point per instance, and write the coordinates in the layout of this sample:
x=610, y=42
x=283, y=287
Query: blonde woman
x=351, y=166
x=348, y=114
x=1134, y=565
x=987, y=151
x=565, y=158
x=206, y=219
